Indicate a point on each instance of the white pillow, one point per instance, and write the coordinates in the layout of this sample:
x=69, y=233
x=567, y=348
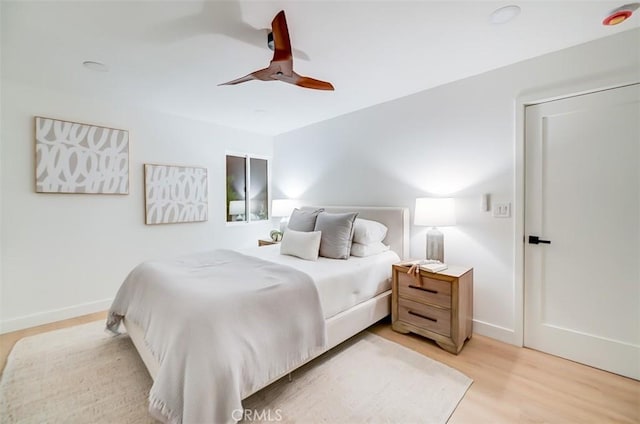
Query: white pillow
x=303, y=244
x=367, y=232
x=363, y=250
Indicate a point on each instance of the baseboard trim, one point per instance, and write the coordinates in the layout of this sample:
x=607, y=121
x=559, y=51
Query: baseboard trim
x=502, y=334
x=479, y=327
x=54, y=315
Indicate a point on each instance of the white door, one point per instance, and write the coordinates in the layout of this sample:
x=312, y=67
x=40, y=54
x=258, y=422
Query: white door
x=582, y=193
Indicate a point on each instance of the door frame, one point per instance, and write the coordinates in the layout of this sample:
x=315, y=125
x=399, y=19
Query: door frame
x=521, y=102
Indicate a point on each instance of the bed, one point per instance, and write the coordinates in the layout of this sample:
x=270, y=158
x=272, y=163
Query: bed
x=352, y=299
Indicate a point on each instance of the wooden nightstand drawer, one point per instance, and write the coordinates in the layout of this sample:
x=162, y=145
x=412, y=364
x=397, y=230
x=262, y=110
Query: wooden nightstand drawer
x=428, y=317
x=425, y=289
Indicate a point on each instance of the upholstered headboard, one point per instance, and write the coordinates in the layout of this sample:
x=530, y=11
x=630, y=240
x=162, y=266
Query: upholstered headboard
x=396, y=220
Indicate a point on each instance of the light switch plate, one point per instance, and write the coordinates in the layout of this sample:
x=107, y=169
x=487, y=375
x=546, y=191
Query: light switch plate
x=501, y=209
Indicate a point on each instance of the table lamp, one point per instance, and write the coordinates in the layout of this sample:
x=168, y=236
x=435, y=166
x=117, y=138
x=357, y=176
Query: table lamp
x=435, y=212
x=237, y=208
x=282, y=208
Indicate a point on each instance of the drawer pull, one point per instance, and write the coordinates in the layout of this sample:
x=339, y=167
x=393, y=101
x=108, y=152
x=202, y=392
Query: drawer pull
x=411, y=286
x=422, y=316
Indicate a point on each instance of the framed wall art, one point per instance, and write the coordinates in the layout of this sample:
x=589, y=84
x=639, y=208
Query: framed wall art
x=175, y=194
x=80, y=158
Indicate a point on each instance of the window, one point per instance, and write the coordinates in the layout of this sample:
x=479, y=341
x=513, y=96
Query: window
x=243, y=197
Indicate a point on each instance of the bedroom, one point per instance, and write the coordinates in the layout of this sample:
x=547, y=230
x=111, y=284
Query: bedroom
x=64, y=256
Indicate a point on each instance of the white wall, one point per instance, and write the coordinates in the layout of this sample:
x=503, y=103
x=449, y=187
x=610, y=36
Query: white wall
x=455, y=140
x=65, y=255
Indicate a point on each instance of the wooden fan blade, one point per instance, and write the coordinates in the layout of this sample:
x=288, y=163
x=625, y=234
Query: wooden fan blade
x=261, y=74
x=239, y=80
x=282, y=43
x=307, y=82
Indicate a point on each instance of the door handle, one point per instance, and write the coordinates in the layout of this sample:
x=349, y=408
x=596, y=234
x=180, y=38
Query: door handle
x=537, y=240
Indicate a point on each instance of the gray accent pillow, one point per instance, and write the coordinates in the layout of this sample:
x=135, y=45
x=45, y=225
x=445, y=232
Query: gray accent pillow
x=303, y=220
x=337, y=234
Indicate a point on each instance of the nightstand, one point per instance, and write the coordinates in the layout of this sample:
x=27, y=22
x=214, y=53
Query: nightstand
x=265, y=242
x=436, y=305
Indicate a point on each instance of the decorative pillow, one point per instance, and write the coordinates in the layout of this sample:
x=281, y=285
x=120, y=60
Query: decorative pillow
x=364, y=250
x=367, y=232
x=303, y=220
x=303, y=244
x=337, y=233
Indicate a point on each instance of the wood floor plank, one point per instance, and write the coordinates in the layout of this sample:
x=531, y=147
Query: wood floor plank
x=511, y=384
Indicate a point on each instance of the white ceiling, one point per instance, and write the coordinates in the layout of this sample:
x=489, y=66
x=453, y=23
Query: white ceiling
x=170, y=55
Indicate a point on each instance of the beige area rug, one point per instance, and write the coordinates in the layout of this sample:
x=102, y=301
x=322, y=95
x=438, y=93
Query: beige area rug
x=84, y=375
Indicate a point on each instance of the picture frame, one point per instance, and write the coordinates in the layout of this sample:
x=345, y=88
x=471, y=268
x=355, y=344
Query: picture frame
x=175, y=194
x=77, y=158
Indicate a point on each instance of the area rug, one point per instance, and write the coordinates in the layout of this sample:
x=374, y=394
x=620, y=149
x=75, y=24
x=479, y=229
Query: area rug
x=84, y=375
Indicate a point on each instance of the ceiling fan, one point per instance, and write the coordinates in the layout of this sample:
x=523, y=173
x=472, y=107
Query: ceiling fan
x=281, y=66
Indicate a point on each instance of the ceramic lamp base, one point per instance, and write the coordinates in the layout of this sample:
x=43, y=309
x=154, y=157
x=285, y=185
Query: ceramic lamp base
x=435, y=245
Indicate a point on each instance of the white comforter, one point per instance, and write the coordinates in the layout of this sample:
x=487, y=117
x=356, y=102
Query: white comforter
x=341, y=284
x=221, y=325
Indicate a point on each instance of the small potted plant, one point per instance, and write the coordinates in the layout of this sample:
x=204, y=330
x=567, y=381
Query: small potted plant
x=276, y=235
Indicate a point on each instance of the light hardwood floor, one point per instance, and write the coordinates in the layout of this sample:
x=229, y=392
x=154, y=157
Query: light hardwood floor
x=511, y=384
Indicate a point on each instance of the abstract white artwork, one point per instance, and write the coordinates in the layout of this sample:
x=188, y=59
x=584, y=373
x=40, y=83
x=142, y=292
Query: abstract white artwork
x=175, y=194
x=81, y=158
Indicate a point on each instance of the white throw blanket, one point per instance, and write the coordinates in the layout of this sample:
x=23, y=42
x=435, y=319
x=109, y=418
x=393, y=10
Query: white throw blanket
x=221, y=325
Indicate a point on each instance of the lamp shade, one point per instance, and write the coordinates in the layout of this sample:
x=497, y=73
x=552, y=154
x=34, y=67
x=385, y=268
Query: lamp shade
x=237, y=207
x=435, y=212
x=282, y=207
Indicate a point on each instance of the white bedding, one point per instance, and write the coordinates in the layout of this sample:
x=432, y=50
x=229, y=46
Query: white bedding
x=341, y=283
x=221, y=325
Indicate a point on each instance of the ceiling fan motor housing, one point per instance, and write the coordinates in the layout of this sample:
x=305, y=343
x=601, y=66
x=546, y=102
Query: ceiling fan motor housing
x=270, y=42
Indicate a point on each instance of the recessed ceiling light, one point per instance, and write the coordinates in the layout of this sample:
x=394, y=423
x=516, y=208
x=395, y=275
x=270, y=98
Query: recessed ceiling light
x=504, y=14
x=95, y=66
